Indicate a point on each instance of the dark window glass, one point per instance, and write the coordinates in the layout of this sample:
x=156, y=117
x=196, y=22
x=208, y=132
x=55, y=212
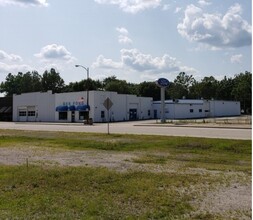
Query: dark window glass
x=63, y=115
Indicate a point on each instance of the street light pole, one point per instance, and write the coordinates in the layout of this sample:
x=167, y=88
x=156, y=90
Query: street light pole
x=87, y=89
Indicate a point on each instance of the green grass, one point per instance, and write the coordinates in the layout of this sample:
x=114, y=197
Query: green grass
x=232, y=153
x=93, y=193
x=124, y=142
x=53, y=192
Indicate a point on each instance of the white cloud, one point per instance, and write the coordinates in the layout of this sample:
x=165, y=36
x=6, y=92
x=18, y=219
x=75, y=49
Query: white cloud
x=24, y=2
x=55, y=52
x=237, y=58
x=178, y=9
x=122, y=30
x=104, y=63
x=215, y=30
x=14, y=68
x=204, y=2
x=134, y=60
x=12, y=63
x=123, y=37
x=9, y=57
x=132, y=6
x=166, y=7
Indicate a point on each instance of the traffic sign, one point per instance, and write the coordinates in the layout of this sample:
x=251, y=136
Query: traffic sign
x=108, y=104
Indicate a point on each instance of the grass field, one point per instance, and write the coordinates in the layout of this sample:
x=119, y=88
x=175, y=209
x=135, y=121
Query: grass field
x=163, y=177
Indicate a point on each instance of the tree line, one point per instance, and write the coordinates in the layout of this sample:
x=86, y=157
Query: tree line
x=237, y=88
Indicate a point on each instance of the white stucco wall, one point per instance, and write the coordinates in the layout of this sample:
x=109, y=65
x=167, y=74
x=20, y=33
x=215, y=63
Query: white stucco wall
x=70, y=99
x=41, y=102
x=224, y=108
x=179, y=109
x=121, y=108
x=116, y=112
x=183, y=108
x=124, y=108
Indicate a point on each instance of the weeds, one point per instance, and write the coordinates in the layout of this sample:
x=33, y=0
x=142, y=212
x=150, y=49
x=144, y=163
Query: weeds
x=54, y=192
x=88, y=193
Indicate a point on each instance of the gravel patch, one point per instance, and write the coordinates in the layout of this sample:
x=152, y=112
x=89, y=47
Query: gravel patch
x=233, y=200
x=226, y=202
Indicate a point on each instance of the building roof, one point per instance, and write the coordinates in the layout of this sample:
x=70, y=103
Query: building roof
x=6, y=109
x=181, y=101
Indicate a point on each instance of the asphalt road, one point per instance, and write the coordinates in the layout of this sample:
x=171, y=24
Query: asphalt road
x=139, y=127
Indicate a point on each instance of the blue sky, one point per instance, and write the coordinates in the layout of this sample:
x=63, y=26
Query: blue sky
x=135, y=40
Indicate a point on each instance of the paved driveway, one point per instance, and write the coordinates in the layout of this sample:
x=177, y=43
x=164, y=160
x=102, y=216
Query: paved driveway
x=141, y=127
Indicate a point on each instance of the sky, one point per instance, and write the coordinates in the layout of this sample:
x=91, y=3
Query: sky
x=134, y=40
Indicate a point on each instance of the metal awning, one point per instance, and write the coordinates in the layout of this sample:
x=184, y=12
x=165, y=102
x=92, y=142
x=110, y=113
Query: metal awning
x=72, y=108
x=65, y=108
x=62, y=108
x=83, y=108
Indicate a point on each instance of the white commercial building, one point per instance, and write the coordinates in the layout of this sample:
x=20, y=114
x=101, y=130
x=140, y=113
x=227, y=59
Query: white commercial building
x=34, y=107
x=72, y=107
x=192, y=108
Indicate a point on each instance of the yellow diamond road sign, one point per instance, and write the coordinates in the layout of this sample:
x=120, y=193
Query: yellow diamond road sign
x=108, y=103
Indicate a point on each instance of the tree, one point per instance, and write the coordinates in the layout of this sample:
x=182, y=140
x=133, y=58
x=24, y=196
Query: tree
x=52, y=81
x=237, y=88
x=195, y=90
x=181, y=86
x=208, y=87
x=120, y=86
x=185, y=80
x=21, y=83
x=83, y=85
x=149, y=89
x=177, y=91
x=30, y=82
x=10, y=85
x=242, y=90
x=74, y=87
x=224, y=89
x=93, y=84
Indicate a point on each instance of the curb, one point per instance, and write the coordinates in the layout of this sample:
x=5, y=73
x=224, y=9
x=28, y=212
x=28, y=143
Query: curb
x=193, y=126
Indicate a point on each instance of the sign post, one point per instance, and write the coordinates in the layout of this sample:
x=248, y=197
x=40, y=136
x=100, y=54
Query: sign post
x=162, y=83
x=108, y=104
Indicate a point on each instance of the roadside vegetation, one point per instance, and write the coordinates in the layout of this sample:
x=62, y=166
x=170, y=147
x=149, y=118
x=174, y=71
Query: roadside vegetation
x=168, y=177
x=237, y=88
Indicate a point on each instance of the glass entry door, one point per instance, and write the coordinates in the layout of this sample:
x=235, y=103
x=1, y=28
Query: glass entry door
x=133, y=114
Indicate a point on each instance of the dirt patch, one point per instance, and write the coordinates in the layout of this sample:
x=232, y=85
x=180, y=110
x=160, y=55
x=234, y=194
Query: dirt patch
x=47, y=156
x=232, y=202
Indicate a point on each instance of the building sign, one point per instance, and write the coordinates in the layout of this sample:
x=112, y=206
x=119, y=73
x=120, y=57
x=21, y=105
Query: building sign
x=74, y=103
x=162, y=82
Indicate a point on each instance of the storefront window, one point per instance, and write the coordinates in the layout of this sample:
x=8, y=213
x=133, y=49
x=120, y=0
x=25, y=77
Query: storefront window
x=63, y=115
x=81, y=115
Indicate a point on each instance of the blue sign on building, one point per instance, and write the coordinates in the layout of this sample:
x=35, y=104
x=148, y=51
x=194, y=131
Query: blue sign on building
x=162, y=82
